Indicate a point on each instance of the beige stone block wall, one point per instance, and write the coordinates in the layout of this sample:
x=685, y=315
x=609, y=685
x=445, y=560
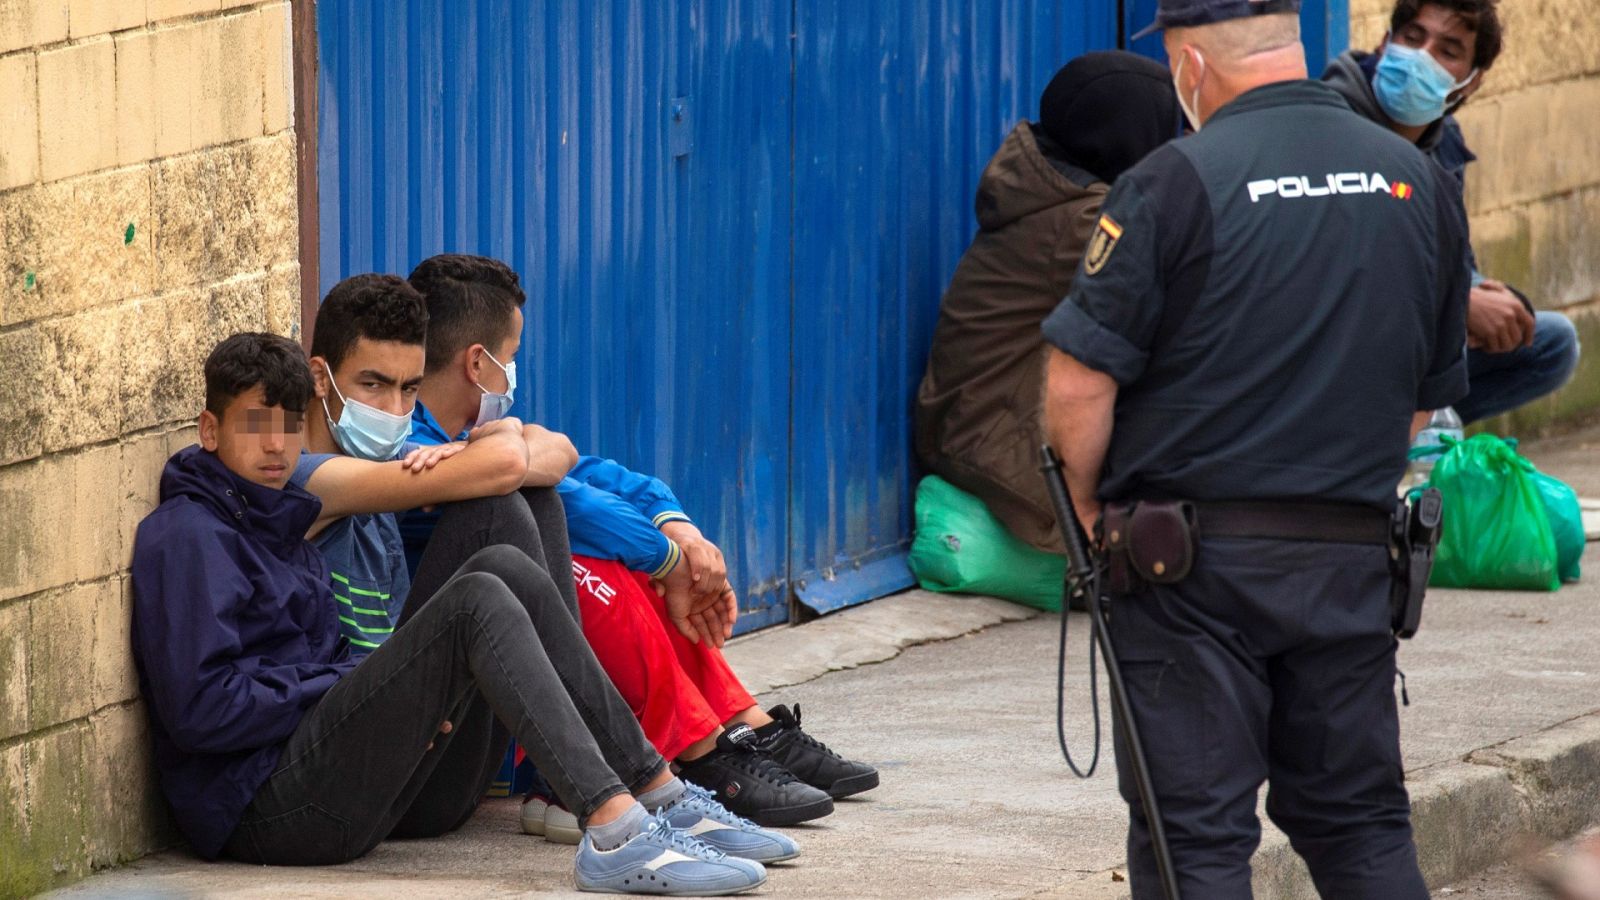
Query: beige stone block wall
x=147, y=209
x=1534, y=193
x=32, y=23
x=19, y=160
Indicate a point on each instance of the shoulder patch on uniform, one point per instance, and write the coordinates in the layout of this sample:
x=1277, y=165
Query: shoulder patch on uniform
x=1104, y=240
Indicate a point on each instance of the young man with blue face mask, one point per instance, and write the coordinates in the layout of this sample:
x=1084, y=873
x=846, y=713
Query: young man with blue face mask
x=472, y=342
x=367, y=359
x=629, y=533
x=1435, y=57
x=493, y=488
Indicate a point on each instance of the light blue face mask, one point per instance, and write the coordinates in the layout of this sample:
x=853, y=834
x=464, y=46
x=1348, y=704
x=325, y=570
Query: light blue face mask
x=1412, y=87
x=493, y=406
x=366, y=432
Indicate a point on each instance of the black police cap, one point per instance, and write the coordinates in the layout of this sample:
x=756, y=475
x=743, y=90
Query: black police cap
x=1189, y=13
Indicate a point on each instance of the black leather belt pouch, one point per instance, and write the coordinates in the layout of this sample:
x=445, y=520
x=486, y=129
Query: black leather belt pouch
x=1151, y=542
x=1114, y=521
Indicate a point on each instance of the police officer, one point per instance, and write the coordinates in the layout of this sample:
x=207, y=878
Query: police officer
x=1262, y=309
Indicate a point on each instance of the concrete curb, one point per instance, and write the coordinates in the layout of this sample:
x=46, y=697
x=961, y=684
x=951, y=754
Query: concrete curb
x=878, y=631
x=1467, y=814
x=1555, y=772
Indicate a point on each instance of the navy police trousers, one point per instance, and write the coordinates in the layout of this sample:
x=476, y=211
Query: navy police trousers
x=1273, y=661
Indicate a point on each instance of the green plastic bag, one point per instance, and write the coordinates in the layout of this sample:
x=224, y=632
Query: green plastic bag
x=1496, y=531
x=960, y=546
x=1566, y=523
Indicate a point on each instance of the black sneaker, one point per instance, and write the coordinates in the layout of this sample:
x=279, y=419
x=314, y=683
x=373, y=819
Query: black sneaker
x=808, y=758
x=748, y=783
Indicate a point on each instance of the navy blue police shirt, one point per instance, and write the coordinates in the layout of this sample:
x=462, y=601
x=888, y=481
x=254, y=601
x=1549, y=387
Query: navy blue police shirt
x=1275, y=296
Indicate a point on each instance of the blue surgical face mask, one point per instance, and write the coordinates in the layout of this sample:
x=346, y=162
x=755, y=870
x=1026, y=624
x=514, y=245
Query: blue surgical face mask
x=366, y=432
x=1412, y=87
x=493, y=406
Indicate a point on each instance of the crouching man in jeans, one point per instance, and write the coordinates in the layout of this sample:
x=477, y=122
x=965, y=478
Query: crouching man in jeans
x=274, y=747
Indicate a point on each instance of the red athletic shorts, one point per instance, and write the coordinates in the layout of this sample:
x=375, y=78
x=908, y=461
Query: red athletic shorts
x=679, y=691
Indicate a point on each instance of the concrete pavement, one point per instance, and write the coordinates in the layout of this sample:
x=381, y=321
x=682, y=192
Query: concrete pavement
x=1501, y=744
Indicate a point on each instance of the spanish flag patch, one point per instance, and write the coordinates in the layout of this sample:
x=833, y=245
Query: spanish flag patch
x=1106, y=235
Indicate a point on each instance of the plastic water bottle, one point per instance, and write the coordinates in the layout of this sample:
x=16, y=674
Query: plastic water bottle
x=1442, y=424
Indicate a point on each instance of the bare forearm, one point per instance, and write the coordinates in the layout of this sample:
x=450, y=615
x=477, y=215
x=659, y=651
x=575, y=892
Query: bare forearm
x=1080, y=437
x=1079, y=404
x=493, y=463
x=551, y=456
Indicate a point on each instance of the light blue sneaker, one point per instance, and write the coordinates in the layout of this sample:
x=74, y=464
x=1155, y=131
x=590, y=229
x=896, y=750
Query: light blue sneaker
x=698, y=813
x=663, y=860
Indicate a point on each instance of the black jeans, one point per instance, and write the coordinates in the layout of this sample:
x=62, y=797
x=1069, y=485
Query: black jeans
x=533, y=521
x=1273, y=661
x=496, y=641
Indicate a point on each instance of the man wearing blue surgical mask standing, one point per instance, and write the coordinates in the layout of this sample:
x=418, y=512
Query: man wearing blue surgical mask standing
x=1436, y=56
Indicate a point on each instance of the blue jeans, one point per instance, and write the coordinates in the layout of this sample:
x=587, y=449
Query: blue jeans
x=1501, y=382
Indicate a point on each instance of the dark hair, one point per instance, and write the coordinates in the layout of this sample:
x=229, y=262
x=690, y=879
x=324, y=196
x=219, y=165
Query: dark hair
x=470, y=300
x=252, y=358
x=1482, y=18
x=375, y=307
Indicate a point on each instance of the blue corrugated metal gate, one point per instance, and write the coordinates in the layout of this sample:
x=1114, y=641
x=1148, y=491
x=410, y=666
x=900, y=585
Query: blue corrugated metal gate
x=897, y=108
x=631, y=161
x=734, y=219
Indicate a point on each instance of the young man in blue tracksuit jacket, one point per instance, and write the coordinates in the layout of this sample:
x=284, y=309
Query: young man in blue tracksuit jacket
x=275, y=747
x=635, y=551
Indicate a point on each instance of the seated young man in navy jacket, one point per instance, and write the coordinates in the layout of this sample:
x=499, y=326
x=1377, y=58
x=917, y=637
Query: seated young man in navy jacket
x=638, y=557
x=275, y=747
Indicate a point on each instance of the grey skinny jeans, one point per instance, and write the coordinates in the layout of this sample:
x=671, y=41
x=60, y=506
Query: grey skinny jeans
x=533, y=521
x=495, y=642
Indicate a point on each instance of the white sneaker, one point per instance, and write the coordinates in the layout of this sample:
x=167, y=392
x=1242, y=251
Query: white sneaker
x=545, y=816
x=533, y=808
x=561, y=826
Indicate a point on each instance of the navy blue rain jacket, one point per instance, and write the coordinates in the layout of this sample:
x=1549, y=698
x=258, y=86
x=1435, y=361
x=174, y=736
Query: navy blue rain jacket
x=235, y=636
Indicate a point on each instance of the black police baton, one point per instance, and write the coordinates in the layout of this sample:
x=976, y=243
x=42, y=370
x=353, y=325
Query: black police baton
x=1085, y=574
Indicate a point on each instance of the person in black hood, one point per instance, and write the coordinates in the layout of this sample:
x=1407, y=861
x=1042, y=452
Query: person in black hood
x=1436, y=56
x=977, y=416
x=1107, y=110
